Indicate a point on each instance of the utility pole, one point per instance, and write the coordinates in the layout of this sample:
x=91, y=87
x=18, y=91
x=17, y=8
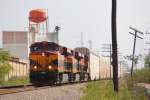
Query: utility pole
x=90, y=44
x=147, y=56
x=114, y=46
x=120, y=63
x=82, y=40
x=122, y=66
x=135, y=36
x=147, y=33
x=108, y=48
x=148, y=49
x=148, y=43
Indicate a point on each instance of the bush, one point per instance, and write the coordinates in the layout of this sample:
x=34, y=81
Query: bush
x=4, y=64
x=140, y=76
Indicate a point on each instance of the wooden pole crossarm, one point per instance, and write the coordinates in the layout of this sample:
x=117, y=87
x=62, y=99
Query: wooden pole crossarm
x=135, y=30
x=136, y=35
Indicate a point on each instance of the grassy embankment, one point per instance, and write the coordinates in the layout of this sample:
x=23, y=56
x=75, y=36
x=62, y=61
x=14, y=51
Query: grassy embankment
x=15, y=81
x=103, y=90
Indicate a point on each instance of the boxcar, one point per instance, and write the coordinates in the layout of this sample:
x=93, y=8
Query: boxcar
x=93, y=63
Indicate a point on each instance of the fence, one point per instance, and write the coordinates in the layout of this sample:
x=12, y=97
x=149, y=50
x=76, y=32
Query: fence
x=19, y=69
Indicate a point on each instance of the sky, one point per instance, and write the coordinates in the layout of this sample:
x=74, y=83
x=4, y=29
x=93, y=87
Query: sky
x=92, y=18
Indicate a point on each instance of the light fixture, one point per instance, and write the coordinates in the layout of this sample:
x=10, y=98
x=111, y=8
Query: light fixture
x=49, y=67
x=43, y=54
x=35, y=67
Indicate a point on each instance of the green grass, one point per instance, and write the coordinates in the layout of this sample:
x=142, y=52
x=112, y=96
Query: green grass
x=103, y=90
x=15, y=81
x=140, y=76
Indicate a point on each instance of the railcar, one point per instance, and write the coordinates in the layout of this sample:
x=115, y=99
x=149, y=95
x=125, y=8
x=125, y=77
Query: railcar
x=49, y=62
x=98, y=66
x=92, y=63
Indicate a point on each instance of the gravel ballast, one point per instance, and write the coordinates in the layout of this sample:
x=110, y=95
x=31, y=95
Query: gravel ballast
x=67, y=92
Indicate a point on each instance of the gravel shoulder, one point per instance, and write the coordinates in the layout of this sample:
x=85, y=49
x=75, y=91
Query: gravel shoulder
x=67, y=92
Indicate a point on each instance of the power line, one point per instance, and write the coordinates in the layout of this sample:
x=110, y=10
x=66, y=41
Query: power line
x=148, y=43
x=108, y=48
x=82, y=43
x=90, y=44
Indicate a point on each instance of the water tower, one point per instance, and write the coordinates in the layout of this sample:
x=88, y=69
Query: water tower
x=38, y=25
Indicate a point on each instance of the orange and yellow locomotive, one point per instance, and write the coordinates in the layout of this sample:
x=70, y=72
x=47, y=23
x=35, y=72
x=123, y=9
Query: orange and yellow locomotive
x=51, y=63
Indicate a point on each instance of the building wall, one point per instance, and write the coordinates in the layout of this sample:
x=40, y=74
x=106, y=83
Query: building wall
x=17, y=50
x=17, y=43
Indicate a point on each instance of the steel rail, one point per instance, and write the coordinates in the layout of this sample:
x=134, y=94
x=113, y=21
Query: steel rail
x=22, y=88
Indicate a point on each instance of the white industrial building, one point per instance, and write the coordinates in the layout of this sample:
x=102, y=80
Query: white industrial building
x=18, y=42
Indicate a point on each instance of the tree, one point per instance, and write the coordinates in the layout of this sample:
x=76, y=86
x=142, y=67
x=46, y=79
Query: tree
x=135, y=59
x=5, y=67
x=147, y=61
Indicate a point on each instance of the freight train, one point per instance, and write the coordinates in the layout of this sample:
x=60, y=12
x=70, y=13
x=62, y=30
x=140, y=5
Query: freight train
x=51, y=63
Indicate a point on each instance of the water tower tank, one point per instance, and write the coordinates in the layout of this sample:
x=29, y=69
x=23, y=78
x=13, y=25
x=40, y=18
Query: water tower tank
x=37, y=15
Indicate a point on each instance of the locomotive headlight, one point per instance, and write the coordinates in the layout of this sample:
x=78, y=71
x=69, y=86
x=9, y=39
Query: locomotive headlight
x=35, y=67
x=49, y=67
x=43, y=54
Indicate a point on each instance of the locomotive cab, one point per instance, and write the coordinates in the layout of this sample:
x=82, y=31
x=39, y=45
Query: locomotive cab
x=44, y=62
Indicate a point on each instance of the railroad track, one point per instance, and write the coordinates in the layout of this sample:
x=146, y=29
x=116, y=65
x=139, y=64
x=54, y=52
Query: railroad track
x=15, y=89
x=29, y=87
x=23, y=88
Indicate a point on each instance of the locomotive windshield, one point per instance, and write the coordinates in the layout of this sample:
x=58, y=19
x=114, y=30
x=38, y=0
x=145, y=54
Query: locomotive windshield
x=36, y=48
x=52, y=47
x=44, y=46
